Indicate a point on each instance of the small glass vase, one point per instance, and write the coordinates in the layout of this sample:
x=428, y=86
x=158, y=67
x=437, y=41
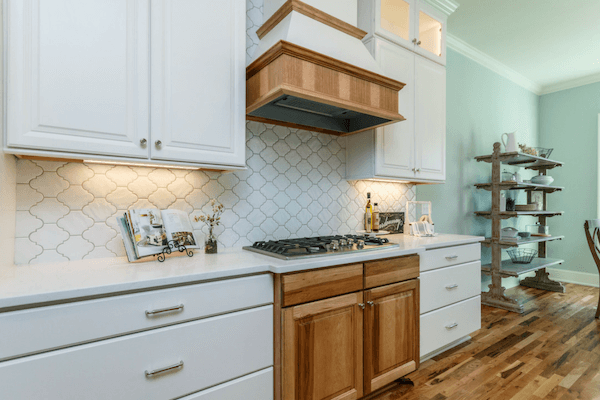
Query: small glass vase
x=210, y=245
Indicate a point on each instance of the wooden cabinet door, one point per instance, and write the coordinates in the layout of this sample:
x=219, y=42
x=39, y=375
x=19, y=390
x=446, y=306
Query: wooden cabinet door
x=430, y=119
x=391, y=332
x=395, y=142
x=198, y=86
x=323, y=349
x=77, y=76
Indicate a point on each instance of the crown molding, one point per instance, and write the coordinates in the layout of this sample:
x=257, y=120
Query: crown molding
x=491, y=63
x=445, y=6
x=571, y=83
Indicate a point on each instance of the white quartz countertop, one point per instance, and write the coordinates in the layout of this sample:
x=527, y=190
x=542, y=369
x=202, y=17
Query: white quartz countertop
x=28, y=285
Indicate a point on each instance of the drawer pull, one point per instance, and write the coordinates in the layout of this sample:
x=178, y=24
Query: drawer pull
x=451, y=326
x=164, y=310
x=453, y=286
x=450, y=258
x=151, y=374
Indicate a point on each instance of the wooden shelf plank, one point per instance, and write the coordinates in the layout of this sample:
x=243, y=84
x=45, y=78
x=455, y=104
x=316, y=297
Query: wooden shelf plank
x=521, y=159
x=512, y=214
x=517, y=243
x=508, y=268
x=512, y=185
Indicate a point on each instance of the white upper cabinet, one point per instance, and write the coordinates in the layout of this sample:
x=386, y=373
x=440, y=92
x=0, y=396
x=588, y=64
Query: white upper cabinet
x=139, y=80
x=412, y=150
x=430, y=123
x=198, y=81
x=77, y=75
x=413, y=24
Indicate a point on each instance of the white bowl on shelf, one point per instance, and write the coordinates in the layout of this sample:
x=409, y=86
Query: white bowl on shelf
x=542, y=180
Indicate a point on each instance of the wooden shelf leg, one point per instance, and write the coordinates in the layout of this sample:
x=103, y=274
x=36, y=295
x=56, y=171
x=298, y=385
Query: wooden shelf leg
x=495, y=298
x=542, y=280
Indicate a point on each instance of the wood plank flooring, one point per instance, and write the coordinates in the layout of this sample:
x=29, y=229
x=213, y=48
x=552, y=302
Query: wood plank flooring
x=552, y=351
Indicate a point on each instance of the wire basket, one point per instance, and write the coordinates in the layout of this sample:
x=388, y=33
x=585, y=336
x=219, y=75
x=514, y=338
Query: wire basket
x=542, y=152
x=522, y=256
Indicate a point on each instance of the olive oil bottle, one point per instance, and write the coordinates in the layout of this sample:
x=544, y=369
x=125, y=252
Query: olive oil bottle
x=368, y=214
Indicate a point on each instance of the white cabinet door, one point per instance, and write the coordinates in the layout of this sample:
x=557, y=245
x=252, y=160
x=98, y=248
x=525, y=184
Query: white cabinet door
x=395, y=142
x=430, y=31
x=198, y=81
x=430, y=119
x=394, y=20
x=77, y=75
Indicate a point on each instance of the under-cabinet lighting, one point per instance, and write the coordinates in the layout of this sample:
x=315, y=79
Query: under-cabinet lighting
x=381, y=180
x=130, y=164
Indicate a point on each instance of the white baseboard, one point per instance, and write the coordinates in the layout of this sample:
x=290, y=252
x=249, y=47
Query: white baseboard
x=580, y=278
x=445, y=348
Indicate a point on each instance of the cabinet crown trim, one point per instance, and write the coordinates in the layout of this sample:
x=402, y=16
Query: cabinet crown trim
x=445, y=6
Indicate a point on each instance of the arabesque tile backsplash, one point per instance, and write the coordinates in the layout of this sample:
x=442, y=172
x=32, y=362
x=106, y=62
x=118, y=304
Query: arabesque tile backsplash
x=294, y=186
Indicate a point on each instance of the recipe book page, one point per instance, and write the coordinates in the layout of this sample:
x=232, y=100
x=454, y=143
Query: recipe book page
x=179, y=228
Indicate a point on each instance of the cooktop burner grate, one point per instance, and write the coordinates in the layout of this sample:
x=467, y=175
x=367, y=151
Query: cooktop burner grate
x=319, y=245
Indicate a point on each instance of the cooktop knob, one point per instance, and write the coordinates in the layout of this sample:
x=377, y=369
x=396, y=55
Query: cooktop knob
x=360, y=244
x=335, y=245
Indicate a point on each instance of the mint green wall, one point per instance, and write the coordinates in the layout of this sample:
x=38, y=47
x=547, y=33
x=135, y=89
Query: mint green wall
x=569, y=124
x=481, y=105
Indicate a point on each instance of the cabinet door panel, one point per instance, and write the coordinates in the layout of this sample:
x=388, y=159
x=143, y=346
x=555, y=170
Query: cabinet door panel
x=78, y=76
x=391, y=333
x=394, y=20
x=198, y=81
x=395, y=142
x=430, y=122
x=430, y=27
x=322, y=349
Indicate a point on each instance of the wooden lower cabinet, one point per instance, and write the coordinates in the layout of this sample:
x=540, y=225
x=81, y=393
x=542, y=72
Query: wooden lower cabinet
x=391, y=333
x=348, y=346
x=323, y=349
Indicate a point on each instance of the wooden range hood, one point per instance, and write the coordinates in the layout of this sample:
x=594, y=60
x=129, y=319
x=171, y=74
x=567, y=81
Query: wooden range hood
x=296, y=86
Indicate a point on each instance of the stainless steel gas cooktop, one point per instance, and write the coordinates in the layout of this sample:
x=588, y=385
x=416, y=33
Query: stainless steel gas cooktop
x=291, y=249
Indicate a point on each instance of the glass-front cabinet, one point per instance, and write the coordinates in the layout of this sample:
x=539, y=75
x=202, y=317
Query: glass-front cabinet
x=414, y=24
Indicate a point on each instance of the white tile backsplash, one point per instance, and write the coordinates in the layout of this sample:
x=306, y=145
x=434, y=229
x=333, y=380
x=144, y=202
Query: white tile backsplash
x=293, y=187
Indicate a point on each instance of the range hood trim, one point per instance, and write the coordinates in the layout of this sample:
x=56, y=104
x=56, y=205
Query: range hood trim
x=311, y=12
x=285, y=47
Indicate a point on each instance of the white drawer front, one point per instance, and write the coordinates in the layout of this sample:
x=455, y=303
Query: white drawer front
x=447, y=256
x=438, y=327
x=46, y=328
x=213, y=351
x=442, y=287
x=256, y=386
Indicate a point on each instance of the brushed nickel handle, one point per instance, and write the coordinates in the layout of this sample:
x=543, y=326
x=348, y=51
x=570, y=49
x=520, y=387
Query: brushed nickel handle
x=143, y=142
x=151, y=374
x=361, y=305
x=158, y=143
x=370, y=303
x=451, y=326
x=449, y=258
x=164, y=310
x=453, y=286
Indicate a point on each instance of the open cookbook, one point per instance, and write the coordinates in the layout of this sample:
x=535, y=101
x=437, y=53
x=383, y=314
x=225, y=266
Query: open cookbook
x=148, y=231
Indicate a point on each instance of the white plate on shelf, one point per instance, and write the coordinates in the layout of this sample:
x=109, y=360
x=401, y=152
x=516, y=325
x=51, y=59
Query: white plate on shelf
x=373, y=233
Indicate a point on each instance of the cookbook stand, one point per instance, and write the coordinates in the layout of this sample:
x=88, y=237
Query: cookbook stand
x=499, y=269
x=173, y=245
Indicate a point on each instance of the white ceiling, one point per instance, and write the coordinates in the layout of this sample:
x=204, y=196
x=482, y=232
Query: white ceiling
x=552, y=43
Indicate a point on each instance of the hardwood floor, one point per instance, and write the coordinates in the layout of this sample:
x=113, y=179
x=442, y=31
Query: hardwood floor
x=552, y=351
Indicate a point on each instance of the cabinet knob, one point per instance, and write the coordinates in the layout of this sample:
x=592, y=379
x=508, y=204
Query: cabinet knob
x=143, y=142
x=418, y=169
x=419, y=43
x=414, y=40
x=370, y=303
x=361, y=305
x=158, y=143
